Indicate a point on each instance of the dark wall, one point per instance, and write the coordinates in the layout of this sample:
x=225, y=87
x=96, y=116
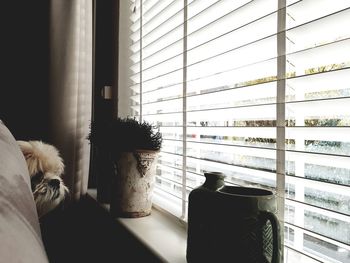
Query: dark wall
x=24, y=54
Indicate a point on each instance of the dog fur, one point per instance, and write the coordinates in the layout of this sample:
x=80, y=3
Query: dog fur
x=45, y=167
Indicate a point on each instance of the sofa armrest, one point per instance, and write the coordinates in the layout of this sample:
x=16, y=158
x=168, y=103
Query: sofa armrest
x=20, y=237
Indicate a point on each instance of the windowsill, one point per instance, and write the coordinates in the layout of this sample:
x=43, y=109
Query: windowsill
x=161, y=233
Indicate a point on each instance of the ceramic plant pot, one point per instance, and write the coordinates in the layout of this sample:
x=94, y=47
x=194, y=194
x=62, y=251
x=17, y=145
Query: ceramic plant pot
x=132, y=184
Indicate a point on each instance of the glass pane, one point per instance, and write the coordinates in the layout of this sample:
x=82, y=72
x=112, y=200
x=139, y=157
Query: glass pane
x=157, y=87
x=259, y=159
x=246, y=75
x=235, y=97
x=326, y=140
x=332, y=84
x=264, y=137
x=255, y=116
x=169, y=119
x=317, y=120
x=169, y=106
x=165, y=93
x=226, y=16
x=200, y=63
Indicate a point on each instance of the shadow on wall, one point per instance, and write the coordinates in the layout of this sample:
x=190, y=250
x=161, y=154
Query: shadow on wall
x=24, y=62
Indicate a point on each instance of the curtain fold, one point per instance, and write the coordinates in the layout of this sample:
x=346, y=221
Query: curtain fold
x=71, y=88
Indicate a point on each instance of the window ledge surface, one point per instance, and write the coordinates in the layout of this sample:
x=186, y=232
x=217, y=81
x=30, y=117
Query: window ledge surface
x=161, y=233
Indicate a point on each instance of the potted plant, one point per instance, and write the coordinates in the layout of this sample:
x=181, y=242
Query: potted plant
x=133, y=147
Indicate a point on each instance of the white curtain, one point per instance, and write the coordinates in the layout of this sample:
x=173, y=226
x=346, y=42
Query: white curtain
x=71, y=87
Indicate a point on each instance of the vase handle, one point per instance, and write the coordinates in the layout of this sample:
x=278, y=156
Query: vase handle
x=276, y=241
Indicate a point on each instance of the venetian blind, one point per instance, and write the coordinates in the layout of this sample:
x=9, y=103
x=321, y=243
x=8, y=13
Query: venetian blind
x=317, y=119
x=257, y=90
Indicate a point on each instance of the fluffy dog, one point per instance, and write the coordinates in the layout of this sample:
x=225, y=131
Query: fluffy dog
x=45, y=168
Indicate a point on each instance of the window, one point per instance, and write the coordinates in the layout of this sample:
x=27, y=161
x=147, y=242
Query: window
x=256, y=89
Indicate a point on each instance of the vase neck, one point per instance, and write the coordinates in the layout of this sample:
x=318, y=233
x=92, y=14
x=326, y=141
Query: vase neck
x=214, y=181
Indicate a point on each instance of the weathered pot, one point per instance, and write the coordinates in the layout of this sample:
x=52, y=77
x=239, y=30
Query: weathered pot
x=132, y=184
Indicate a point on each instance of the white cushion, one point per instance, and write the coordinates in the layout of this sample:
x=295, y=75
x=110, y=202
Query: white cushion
x=20, y=237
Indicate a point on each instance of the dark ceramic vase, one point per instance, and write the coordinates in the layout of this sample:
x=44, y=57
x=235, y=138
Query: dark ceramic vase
x=246, y=228
x=201, y=214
